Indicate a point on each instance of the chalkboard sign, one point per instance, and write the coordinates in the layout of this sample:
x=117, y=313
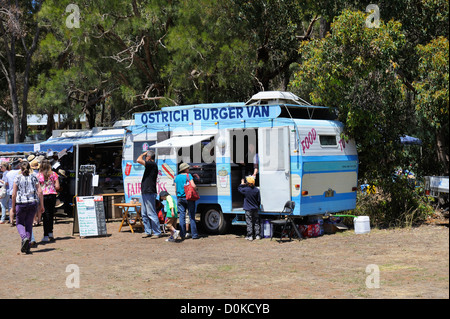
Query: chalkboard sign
x=91, y=216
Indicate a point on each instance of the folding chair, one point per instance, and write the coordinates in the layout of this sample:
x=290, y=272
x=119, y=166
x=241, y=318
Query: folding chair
x=286, y=222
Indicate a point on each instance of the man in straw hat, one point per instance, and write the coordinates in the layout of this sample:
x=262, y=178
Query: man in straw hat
x=148, y=191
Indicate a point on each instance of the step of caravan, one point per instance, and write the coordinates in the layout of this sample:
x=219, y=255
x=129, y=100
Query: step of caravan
x=236, y=221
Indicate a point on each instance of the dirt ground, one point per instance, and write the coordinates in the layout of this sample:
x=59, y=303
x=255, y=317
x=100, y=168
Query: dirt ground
x=412, y=263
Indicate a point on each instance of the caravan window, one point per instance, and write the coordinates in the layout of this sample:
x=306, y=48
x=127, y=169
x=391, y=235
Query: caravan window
x=202, y=152
x=328, y=140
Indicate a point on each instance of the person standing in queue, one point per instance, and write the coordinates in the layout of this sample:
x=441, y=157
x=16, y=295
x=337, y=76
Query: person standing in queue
x=182, y=179
x=252, y=202
x=10, y=176
x=27, y=198
x=148, y=190
x=5, y=202
x=50, y=186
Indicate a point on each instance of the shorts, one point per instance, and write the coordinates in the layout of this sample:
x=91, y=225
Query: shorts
x=171, y=221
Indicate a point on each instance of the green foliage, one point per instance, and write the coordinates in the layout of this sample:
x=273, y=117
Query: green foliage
x=412, y=209
x=209, y=59
x=432, y=85
x=353, y=69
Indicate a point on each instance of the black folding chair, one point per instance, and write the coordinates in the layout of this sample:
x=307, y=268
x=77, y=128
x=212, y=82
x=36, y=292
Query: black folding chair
x=286, y=222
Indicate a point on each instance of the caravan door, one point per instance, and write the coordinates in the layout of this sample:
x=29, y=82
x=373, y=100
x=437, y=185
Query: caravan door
x=274, y=168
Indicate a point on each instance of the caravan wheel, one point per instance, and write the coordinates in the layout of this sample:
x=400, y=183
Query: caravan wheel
x=214, y=220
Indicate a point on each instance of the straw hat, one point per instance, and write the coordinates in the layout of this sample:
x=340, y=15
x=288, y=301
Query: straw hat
x=62, y=172
x=250, y=180
x=40, y=158
x=31, y=158
x=35, y=164
x=183, y=167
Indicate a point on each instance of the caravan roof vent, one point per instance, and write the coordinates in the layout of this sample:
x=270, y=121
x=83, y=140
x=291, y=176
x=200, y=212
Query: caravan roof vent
x=275, y=97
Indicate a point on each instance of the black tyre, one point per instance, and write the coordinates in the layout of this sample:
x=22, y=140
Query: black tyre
x=214, y=221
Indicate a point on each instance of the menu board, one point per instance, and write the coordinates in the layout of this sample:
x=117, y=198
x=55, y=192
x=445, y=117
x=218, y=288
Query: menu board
x=91, y=216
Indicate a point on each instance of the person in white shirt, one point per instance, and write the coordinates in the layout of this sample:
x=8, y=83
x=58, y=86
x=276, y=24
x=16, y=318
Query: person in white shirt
x=9, y=178
x=5, y=201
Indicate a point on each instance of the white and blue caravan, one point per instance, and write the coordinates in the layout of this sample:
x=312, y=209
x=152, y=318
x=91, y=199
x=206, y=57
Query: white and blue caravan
x=297, y=149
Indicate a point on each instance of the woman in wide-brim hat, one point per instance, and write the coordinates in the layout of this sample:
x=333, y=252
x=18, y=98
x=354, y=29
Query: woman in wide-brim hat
x=183, y=167
x=183, y=178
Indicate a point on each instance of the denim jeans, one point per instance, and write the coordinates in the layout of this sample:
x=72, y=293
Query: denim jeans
x=149, y=215
x=5, y=202
x=182, y=205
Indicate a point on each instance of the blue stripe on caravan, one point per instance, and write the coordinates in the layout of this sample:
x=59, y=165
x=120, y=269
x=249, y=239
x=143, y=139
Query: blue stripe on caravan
x=332, y=158
x=330, y=166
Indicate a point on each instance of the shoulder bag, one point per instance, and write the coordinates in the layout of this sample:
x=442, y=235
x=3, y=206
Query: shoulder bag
x=191, y=193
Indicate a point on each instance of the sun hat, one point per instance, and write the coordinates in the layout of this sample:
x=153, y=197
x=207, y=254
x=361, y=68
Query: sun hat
x=62, y=172
x=40, y=158
x=30, y=158
x=250, y=180
x=34, y=164
x=183, y=167
x=15, y=164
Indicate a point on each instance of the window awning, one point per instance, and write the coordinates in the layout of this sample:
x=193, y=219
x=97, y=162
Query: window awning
x=181, y=141
x=83, y=138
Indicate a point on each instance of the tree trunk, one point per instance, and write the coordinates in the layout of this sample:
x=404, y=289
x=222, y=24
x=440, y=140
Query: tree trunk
x=13, y=90
x=50, y=123
x=26, y=88
x=443, y=150
x=325, y=27
x=26, y=82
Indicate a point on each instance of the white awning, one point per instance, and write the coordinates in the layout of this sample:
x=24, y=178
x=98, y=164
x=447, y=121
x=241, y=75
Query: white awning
x=181, y=141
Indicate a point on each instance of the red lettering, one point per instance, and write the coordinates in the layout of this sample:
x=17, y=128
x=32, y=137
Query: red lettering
x=128, y=189
x=309, y=140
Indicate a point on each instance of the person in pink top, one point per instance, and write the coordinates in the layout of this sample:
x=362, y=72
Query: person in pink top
x=49, y=182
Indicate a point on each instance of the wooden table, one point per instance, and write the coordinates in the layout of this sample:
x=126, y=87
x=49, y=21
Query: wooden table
x=126, y=216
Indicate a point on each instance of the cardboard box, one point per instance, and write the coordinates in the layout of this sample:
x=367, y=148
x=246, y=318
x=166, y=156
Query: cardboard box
x=333, y=228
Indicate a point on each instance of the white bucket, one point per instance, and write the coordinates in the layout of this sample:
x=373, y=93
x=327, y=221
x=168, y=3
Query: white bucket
x=362, y=224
